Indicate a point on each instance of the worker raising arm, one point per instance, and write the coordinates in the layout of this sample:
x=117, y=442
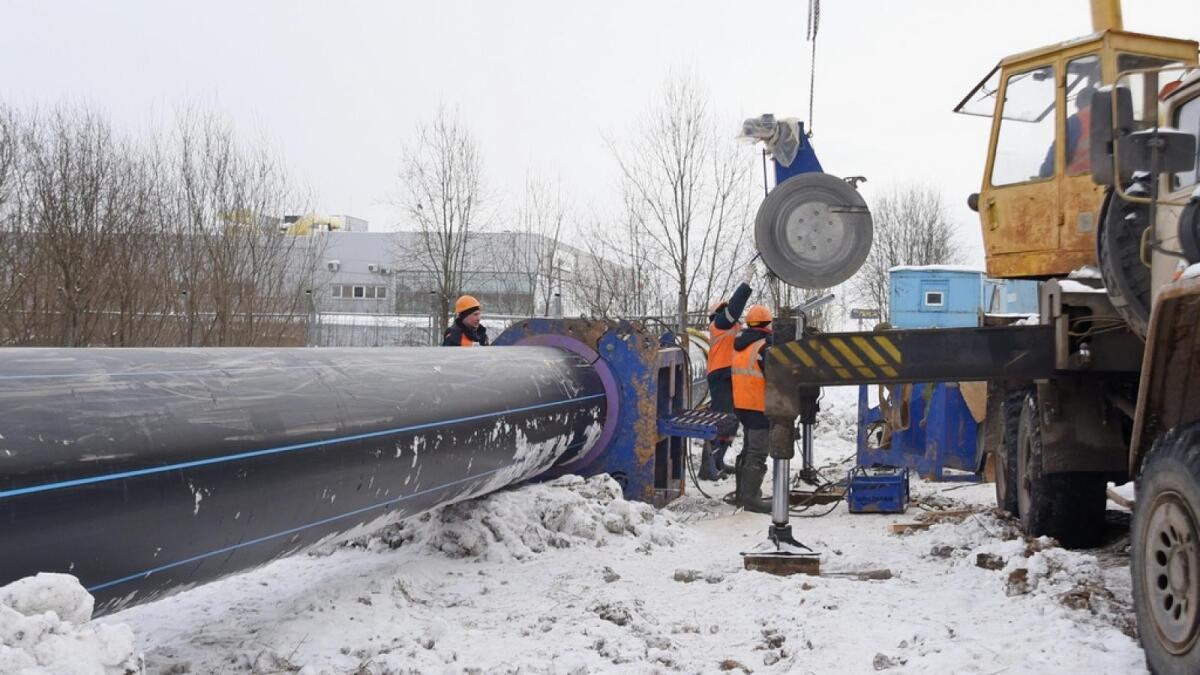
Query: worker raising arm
x=466, y=331
x=724, y=324
x=749, y=401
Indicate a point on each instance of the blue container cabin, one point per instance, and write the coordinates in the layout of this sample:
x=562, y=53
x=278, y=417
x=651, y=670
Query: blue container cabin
x=939, y=432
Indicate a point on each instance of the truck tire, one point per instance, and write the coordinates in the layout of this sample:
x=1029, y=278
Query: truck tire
x=1005, y=456
x=1165, y=552
x=1119, y=251
x=1066, y=506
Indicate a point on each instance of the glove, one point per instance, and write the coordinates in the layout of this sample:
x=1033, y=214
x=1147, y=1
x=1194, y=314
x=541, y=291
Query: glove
x=748, y=276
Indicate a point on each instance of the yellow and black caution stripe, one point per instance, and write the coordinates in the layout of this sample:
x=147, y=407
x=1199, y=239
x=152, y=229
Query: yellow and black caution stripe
x=842, y=357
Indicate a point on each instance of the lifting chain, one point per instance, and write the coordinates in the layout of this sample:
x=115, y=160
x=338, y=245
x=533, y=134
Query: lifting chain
x=814, y=23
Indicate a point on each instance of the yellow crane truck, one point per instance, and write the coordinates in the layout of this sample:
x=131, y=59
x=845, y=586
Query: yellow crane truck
x=1091, y=188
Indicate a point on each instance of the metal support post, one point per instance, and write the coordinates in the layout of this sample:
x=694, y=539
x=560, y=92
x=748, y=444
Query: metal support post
x=779, y=492
x=808, y=417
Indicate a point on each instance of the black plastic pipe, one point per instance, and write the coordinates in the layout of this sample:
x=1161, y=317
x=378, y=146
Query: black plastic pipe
x=141, y=471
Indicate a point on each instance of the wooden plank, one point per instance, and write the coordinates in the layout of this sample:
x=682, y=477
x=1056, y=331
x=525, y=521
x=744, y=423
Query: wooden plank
x=782, y=565
x=942, y=516
x=807, y=498
x=864, y=575
x=904, y=528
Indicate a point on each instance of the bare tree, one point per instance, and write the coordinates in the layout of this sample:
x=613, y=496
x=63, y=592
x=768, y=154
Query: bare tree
x=101, y=234
x=912, y=227
x=614, y=277
x=687, y=190
x=535, y=251
x=441, y=181
x=239, y=282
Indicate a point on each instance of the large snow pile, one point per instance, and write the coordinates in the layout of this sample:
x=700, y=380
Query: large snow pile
x=516, y=524
x=45, y=628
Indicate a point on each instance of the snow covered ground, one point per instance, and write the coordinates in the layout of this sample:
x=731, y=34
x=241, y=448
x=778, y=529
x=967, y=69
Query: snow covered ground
x=567, y=577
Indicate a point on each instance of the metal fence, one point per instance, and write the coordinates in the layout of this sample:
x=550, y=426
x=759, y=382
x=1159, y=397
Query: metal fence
x=387, y=330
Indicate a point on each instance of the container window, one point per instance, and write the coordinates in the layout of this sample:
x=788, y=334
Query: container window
x=934, y=299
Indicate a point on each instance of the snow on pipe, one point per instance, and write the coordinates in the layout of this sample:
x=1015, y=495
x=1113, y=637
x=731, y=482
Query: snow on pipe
x=142, y=471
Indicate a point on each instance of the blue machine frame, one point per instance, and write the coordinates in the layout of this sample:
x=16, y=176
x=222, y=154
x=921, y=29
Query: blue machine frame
x=642, y=443
x=805, y=161
x=940, y=434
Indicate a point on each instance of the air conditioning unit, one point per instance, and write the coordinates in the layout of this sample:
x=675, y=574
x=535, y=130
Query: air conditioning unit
x=333, y=265
x=385, y=270
x=373, y=268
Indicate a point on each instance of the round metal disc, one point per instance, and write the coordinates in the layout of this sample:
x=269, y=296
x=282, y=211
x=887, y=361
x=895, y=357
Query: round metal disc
x=813, y=230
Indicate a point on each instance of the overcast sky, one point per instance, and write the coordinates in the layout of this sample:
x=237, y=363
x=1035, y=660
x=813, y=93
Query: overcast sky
x=339, y=86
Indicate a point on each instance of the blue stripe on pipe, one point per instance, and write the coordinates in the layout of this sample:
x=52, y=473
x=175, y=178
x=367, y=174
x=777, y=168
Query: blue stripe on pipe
x=133, y=473
x=289, y=531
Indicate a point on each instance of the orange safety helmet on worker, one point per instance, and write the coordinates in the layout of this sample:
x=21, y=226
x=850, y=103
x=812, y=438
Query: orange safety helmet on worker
x=466, y=330
x=749, y=383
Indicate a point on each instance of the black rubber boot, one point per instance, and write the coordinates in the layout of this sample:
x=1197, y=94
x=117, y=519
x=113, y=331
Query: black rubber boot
x=752, y=468
x=708, y=467
x=719, y=457
x=750, y=495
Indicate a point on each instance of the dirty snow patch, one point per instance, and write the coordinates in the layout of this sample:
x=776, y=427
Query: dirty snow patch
x=46, y=629
x=519, y=524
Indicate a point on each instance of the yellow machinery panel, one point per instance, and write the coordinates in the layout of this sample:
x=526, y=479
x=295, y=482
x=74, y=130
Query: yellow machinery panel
x=1038, y=206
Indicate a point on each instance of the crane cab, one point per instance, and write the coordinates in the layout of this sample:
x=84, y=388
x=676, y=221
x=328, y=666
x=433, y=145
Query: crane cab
x=1038, y=206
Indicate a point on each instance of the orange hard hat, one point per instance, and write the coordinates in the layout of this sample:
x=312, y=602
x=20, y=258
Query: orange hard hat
x=465, y=304
x=758, y=315
x=716, y=306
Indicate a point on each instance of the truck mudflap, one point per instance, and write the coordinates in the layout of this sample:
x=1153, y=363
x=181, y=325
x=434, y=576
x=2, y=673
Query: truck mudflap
x=917, y=355
x=1170, y=367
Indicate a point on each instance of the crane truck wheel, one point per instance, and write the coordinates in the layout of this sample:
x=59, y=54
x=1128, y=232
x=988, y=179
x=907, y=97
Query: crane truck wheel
x=1119, y=250
x=1005, y=456
x=1165, y=551
x=1067, y=506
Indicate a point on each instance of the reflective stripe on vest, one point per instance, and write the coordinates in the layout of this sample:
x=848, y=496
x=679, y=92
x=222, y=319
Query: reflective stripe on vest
x=466, y=341
x=1080, y=160
x=749, y=384
x=720, y=346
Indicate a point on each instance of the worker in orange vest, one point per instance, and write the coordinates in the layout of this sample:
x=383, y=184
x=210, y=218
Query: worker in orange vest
x=1079, y=138
x=466, y=331
x=724, y=322
x=749, y=401
x=1079, y=134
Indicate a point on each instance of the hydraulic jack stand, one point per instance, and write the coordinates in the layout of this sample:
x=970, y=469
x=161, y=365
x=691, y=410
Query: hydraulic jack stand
x=781, y=553
x=808, y=417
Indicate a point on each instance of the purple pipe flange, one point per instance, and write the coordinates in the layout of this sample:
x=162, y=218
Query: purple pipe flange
x=611, y=396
